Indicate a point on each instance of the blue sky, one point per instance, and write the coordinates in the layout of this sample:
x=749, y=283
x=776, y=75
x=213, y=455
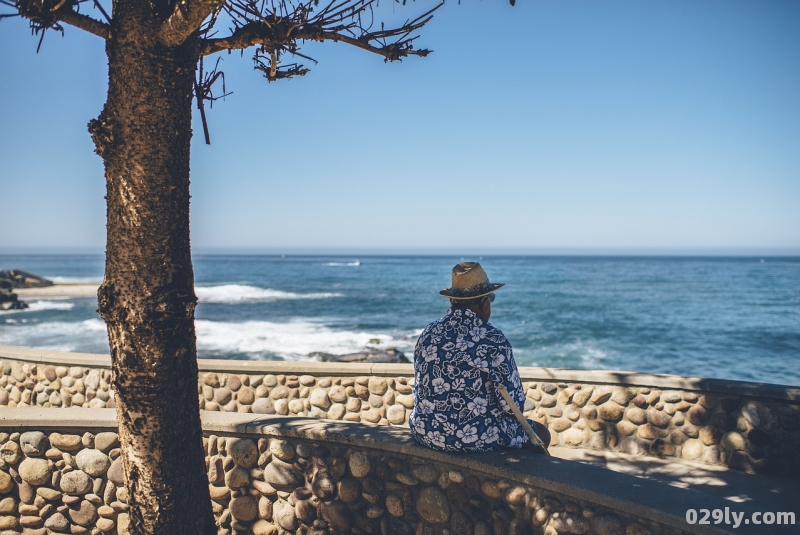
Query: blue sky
x=575, y=125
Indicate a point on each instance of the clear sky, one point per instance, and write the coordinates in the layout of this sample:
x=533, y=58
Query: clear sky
x=553, y=124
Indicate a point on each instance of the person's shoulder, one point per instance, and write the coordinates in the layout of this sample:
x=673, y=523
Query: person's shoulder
x=494, y=334
x=432, y=326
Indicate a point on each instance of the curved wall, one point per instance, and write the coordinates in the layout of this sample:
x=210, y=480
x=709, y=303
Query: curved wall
x=303, y=476
x=748, y=426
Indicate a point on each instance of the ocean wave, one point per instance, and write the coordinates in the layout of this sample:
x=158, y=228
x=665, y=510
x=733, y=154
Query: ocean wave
x=345, y=264
x=36, y=306
x=75, y=280
x=237, y=293
x=85, y=336
x=293, y=340
x=49, y=305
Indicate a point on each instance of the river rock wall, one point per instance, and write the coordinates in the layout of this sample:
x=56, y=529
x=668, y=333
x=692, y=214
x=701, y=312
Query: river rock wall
x=745, y=429
x=72, y=482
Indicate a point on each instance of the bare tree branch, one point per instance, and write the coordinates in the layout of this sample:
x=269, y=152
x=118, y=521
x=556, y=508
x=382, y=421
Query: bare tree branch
x=277, y=28
x=186, y=18
x=45, y=15
x=85, y=22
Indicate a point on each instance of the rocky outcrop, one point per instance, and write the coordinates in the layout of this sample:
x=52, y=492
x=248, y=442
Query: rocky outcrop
x=23, y=279
x=390, y=355
x=16, y=278
x=8, y=299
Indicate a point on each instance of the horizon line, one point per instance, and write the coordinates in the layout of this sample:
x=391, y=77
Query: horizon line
x=449, y=251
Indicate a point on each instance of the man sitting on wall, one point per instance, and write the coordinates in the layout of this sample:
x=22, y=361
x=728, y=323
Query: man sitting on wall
x=459, y=362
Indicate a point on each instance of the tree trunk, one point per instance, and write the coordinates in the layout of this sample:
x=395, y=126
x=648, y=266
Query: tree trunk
x=147, y=297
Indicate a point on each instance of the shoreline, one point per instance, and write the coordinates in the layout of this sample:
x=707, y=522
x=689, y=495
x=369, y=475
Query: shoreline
x=59, y=290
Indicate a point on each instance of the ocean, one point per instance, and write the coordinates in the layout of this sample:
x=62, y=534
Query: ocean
x=722, y=317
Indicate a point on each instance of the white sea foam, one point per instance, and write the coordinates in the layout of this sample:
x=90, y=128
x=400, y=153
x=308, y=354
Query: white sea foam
x=350, y=264
x=50, y=305
x=292, y=340
x=88, y=336
x=237, y=293
x=75, y=280
x=41, y=305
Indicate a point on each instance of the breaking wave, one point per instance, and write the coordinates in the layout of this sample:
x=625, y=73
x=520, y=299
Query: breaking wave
x=36, y=306
x=293, y=340
x=237, y=293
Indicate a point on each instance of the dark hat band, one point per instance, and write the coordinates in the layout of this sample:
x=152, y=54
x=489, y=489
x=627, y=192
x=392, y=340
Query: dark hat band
x=473, y=291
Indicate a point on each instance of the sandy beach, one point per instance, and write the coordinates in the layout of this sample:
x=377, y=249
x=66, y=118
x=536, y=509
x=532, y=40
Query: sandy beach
x=59, y=290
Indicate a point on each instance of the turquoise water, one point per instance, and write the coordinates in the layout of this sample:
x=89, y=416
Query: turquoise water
x=736, y=318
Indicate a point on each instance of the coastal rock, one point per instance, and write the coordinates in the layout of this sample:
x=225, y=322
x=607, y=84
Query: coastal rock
x=390, y=355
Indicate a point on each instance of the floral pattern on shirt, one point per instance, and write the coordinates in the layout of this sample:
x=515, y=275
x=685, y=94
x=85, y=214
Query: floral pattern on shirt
x=458, y=361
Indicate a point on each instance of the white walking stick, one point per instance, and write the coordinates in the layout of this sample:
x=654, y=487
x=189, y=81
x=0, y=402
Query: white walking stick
x=535, y=440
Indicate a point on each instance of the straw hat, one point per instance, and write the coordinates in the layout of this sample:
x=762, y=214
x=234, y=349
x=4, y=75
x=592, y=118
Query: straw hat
x=469, y=282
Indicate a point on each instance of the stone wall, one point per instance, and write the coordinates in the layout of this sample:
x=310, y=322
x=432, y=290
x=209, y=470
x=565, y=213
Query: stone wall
x=750, y=427
x=300, y=478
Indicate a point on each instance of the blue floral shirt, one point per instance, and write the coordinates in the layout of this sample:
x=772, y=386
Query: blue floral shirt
x=458, y=361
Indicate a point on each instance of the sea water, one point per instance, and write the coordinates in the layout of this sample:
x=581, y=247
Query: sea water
x=724, y=317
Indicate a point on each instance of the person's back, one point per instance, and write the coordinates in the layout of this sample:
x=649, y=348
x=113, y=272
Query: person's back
x=459, y=362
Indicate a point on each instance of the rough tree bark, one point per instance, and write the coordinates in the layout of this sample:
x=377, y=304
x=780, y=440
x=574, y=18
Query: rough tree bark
x=147, y=297
x=143, y=136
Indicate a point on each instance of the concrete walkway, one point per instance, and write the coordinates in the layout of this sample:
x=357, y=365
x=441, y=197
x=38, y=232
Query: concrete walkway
x=739, y=491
